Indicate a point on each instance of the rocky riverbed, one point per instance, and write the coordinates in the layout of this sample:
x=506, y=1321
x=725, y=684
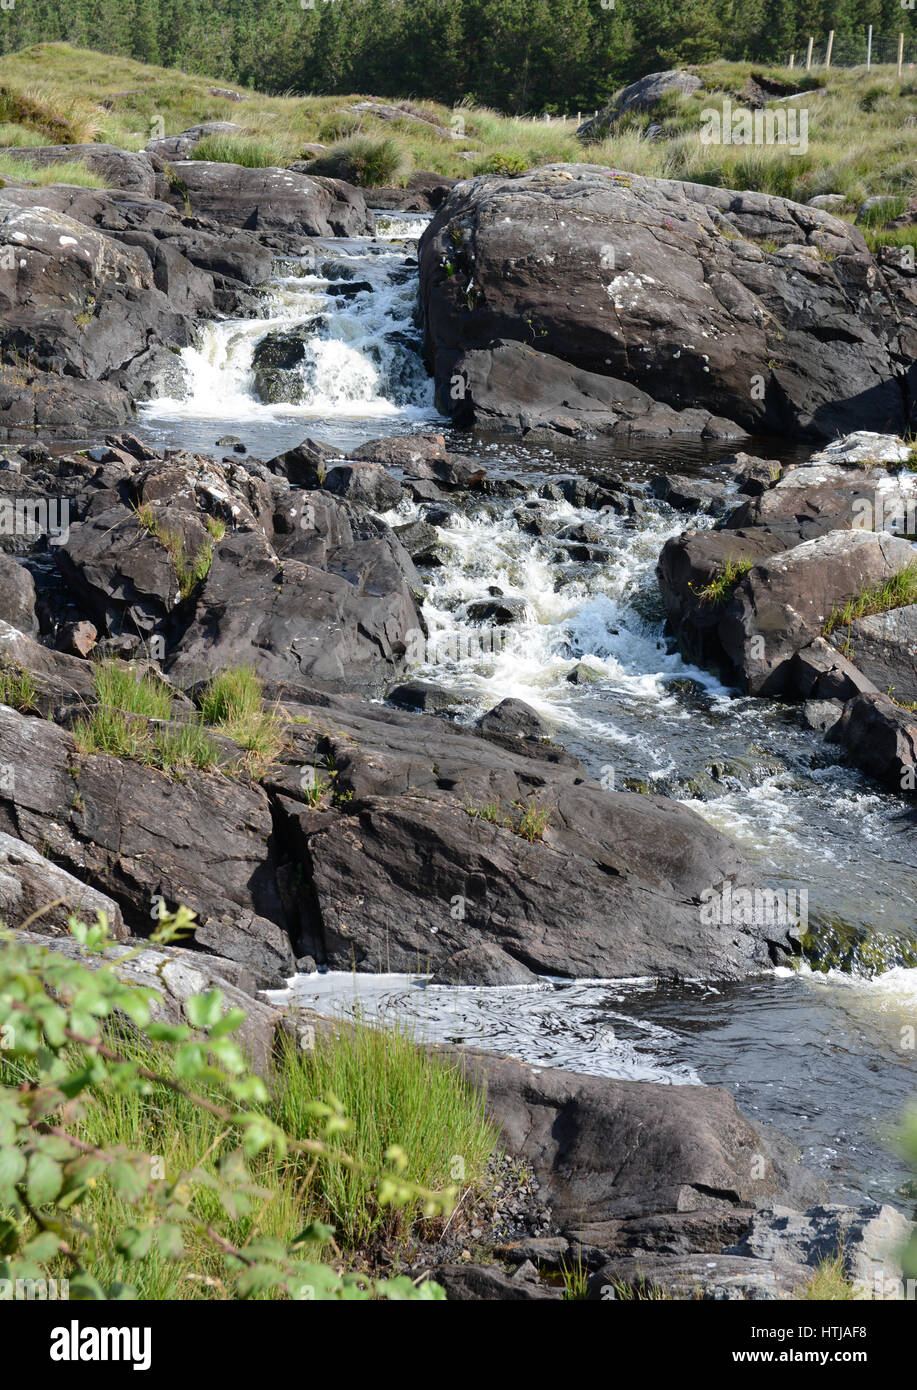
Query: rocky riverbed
x=570, y=714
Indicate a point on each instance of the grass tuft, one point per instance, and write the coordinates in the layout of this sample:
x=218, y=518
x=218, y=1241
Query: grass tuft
x=897, y=592
x=724, y=583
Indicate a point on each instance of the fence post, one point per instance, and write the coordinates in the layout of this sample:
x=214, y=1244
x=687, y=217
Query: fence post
x=809, y=53
x=830, y=46
x=792, y=60
x=900, y=52
x=869, y=48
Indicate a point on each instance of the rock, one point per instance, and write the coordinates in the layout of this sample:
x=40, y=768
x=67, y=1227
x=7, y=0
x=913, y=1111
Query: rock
x=78, y=639
x=821, y=715
x=183, y=145
x=499, y=611
x=483, y=965
x=604, y=1149
x=424, y=456
x=876, y=204
x=485, y=1283
x=421, y=541
x=550, y=1252
x=513, y=718
x=687, y=494
x=418, y=827
x=271, y=200
x=881, y=738
x=365, y=483
x=583, y=674
x=869, y=1239
x=203, y=841
x=884, y=648
x=751, y=475
x=17, y=596
x=716, y=1277
x=819, y=673
x=579, y=284
x=784, y=601
x=175, y=974
x=305, y=466
x=827, y=200
x=425, y=696
x=34, y=890
x=641, y=95
x=118, y=168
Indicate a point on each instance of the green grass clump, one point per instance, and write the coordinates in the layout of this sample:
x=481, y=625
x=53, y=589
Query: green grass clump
x=411, y=1109
x=897, y=592
x=506, y=164
x=232, y=703
x=830, y=1283
x=190, y=570
x=18, y=688
x=721, y=587
x=365, y=161
x=118, y=725
x=253, y=153
x=121, y=687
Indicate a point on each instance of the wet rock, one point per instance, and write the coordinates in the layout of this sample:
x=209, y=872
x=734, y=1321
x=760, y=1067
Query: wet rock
x=421, y=541
x=365, y=483
x=821, y=715
x=425, y=696
x=819, y=672
x=483, y=965
x=305, y=466
x=499, y=611
x=583, y=674
x=687, y=494
x=514, y=718
x=751, y=475
x=881, y=738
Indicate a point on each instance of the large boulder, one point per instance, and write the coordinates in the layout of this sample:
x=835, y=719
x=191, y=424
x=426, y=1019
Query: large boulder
x=203, y=841
x=271, y=200
x=37, y=892
x=664, y=286
x=117, y=168
x=868, y=1239
x=641, y=95
x=424, y=841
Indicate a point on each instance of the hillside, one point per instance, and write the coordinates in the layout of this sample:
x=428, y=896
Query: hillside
x=862, y=138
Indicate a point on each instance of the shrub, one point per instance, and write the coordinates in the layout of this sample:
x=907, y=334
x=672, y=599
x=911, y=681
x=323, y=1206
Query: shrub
x=92, y=1090
x=365, y=161
x=506, y=164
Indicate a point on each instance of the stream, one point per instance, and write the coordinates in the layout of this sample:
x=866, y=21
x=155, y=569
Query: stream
x=820, y=1053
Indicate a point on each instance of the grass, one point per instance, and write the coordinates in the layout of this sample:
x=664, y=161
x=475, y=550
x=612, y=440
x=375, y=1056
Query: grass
x=365, y=161
x=251, y=153
x=396, y=1094
x=530, y=825
x=896, y=592
x=724, y=583
x=18, y=688
x=829, y=1283
x=858, y=141
x=231, y=702
x=190, y=570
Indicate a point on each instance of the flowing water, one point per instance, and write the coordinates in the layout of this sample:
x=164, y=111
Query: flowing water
x=824, y=1054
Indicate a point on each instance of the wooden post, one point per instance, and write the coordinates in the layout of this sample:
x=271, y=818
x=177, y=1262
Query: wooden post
x=900, y=52
x=809, y=53
x=830, y=46
x=869, y=48
x=792, y=60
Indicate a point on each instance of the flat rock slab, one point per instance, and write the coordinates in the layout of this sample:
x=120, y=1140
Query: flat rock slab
x=708, y=1277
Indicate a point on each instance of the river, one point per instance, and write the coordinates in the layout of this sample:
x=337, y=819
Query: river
x=825, y=1052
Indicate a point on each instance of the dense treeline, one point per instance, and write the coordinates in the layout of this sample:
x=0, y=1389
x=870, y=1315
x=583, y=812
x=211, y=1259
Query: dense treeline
x=517, y=55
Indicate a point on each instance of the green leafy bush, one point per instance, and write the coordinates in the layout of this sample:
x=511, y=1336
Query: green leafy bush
x=84, y=1065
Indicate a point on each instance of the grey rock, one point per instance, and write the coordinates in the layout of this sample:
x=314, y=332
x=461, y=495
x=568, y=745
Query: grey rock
x=869, y=1238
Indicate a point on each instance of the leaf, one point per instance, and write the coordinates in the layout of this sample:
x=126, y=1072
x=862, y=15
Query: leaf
x=135, y=1241
x=45, y=1179
x=228, y=1023
x=204, y=1010
x=170, y=1241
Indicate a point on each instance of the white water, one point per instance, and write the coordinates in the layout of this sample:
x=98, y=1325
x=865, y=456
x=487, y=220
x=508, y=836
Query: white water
x=820, y=1056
